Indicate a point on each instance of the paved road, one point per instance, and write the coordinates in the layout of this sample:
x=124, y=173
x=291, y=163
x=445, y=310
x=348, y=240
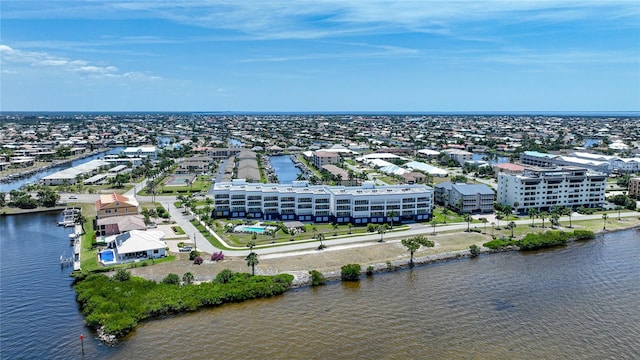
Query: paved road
x=183, y=220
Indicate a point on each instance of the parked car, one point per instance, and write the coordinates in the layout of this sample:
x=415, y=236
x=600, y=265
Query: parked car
x=185, y=249
x=73, y=197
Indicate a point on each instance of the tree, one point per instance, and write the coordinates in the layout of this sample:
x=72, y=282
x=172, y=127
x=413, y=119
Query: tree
x=382, y=228
x=474, y=250
x=568, y=211
x=467, y=218
x=512, y=225
x=499, y=216
x=122, y=275
x=171, y=279
x=391, y=214
x=350, y=272
x=321, y=238
x=493, y=226
x=3, y=198
x=533, y=212
x=543, y=215
x=484, y=222
x=350, y=225
x=252, y=260
x=604, y=221
x=445, y=212
x=413, y=244
x=81, y=219
x=188, y=278
x=433, y=223
x=618, y=208
x=335, y=229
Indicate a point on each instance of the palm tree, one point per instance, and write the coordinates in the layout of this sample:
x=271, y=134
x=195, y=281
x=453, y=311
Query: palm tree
x=314, y=230
x=619, y=208
x=391, y=214
x=604, y=221
x=445, y=211
x=484, y=222
x=467, y=218
x=321, y=238
x=499, y=216
x=543, y=215
x=433, y=223
x=252, y=260
x=335, y=229
x=81, y=219
x=350, y=225
x=413, y=243
x=493, y=226
x=511, y=225
x=533, y=212
x=382, y=228
x=568, y=211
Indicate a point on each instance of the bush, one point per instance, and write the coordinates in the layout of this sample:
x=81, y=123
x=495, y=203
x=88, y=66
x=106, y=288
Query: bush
x=188, y=278
x=371, y=228
x=119, y=306
x=544, y=240
x=198, y=260
x=370, y=270
x=350, y=272
x=474, y=250
x=217, y=256
x=122, y=275
x=584, y=235
x=193, y=254
x=317, y=278
x=223, y=276
x=171, y=279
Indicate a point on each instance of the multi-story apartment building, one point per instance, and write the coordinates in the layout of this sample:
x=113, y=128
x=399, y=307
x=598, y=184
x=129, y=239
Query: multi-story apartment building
x=321, y=158
x=539, y=159
x=543, y=188
x=465, y=198
x=320, y=203
x=459, y=155
x=597, y=162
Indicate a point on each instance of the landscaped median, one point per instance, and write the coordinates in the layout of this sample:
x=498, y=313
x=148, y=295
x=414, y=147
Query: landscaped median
x=114, y=305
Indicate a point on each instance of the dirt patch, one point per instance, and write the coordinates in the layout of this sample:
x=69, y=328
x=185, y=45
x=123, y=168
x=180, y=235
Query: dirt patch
x=326, y=261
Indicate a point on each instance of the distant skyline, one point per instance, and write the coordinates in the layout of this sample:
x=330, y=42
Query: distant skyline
x=320, y=56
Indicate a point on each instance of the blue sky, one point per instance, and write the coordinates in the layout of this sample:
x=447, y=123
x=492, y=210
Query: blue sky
x=364, y=55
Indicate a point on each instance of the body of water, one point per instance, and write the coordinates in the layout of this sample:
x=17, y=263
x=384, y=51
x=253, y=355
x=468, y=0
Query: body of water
x=285, y=169
x=576, y=302
x=497, y=160
x=591, y=142
x=33, y=178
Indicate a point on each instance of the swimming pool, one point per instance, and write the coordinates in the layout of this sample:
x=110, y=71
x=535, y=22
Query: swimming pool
x=106, y=256
x=250, y=228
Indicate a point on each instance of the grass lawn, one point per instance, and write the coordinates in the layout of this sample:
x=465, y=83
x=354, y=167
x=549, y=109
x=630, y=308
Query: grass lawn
x=310, y=234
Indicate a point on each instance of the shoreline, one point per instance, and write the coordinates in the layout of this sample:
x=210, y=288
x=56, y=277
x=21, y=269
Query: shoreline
x=302, y=279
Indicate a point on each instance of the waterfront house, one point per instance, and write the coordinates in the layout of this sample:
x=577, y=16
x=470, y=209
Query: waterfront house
x=115, y=205
x=132, y=246
x=118, y=224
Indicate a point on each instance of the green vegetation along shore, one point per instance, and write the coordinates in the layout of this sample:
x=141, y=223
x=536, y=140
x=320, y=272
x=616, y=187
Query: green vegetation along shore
x=114, y=305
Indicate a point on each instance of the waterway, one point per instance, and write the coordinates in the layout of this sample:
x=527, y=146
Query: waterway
x=284, y=168
x=577, y=302
x=33, y=178
x=494, y=161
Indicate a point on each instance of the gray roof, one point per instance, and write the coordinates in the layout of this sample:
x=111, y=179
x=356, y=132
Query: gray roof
x=473, y=189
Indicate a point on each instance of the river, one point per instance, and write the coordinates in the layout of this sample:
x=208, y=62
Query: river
x=33, y=178
x=284, y=168
x=577, y=302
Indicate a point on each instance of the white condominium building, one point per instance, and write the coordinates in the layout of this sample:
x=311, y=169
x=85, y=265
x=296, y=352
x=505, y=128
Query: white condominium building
x=320, y=203
x=543, y=188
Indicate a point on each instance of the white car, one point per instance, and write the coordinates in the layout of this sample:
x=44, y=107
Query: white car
x=72, y=197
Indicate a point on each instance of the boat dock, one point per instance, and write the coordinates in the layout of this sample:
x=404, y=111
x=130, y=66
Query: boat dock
x=69, y=216
x=76, y=241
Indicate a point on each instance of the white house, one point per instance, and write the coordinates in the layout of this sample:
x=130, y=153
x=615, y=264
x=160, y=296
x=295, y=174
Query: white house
x=133, y=245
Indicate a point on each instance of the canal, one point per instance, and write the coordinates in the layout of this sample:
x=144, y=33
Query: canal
x=284, y=168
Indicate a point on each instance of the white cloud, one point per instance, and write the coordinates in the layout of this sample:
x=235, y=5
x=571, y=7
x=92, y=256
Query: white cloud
x=12, y=57
x=314, y=19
